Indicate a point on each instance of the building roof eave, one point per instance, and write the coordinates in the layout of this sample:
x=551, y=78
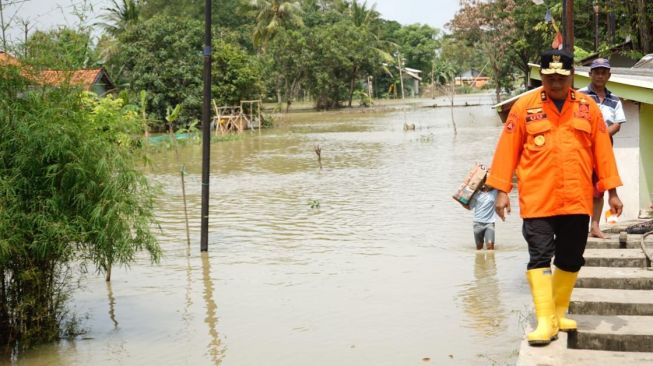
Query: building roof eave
x=628, y=84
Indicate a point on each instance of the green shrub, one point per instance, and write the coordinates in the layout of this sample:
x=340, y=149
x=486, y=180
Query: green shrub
x=70, y=191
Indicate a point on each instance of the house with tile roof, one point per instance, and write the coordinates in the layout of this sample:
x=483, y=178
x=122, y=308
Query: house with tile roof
x=96, y=80
x=7, y=59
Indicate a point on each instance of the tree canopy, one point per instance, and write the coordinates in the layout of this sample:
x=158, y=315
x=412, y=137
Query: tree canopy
x=277, y=49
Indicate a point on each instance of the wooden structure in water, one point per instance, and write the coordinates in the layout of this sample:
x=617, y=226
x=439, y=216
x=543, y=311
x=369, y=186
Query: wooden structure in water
x=237, y=119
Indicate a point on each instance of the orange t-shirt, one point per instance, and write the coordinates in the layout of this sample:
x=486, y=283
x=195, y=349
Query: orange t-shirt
x=554, y=154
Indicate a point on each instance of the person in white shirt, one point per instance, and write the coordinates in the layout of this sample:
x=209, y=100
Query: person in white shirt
x=613, y=115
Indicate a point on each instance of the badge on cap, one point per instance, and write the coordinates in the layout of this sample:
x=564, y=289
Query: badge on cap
x=539, y=140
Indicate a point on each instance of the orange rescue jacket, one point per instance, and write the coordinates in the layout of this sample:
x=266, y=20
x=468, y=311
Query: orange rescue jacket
x=554, y=154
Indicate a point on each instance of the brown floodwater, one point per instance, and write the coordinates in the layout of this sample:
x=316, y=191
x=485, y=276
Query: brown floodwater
x=368, y=261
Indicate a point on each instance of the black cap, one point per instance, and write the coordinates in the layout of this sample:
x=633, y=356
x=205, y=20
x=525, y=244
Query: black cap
x=556, y=62
x=600, y=63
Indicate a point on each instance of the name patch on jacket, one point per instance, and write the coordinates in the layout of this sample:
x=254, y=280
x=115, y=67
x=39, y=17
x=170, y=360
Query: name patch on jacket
x=535, y=117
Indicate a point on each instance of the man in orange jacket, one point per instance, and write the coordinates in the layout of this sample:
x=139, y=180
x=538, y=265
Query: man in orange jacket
x=554, y=138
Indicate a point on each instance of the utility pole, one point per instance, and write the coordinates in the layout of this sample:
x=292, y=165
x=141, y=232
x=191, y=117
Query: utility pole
x=206, y=129
x=595, y=5
x=435, y=55
x=401, y=77
x=611, y=22
x=370, y=88
x=568, y=16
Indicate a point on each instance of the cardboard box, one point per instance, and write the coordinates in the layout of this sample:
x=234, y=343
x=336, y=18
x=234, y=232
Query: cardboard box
x=472, y=182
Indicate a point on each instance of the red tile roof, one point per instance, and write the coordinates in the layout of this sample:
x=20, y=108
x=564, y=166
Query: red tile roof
x=7, y=59
x=85, y=78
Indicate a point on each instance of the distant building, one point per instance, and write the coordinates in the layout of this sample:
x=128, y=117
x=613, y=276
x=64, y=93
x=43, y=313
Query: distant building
x=618, y=56
x=7, y=59
x=412, y=75
x=645, y=63
x=96, y=80
x=472, y=78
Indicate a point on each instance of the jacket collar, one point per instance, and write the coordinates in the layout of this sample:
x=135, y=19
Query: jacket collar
x=591, y=91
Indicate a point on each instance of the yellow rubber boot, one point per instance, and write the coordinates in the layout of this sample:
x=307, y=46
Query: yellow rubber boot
x=563, y=285
x=540, y=280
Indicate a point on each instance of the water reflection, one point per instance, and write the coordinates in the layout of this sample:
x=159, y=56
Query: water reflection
x=480, y=297
x=211, y=318
x=112, y=305
x=375, y=266
x=188, y=298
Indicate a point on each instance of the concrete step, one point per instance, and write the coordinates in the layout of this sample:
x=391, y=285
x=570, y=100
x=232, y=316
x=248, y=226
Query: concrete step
x=621, y=225
x=615, y=278
x=615, y=258
x=612, y=242
x=557, y=354
x=622, y=333
x=599, y=301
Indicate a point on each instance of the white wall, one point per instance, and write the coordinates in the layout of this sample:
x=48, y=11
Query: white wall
x=626, y=151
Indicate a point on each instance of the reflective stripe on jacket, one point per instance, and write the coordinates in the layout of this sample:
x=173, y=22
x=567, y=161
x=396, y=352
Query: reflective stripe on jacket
x=554, y=154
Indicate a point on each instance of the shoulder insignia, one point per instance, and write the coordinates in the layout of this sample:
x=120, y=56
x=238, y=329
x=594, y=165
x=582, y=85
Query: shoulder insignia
x=543, y=95
x=510, y=123
x=573, y=95
x=534, y=110
x=510, y=126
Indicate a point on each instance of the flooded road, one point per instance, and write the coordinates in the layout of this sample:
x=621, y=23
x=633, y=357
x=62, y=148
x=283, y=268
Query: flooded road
x=368, y=261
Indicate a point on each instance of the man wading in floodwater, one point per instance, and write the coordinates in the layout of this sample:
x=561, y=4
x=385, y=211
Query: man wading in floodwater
x=554, y=137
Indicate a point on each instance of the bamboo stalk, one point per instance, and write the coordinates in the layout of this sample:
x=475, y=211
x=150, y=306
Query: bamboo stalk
x=183, y=191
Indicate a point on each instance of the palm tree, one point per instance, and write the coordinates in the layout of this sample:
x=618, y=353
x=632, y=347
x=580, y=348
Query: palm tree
x=361, y=15
x=366, y=20
x=121, y=16
x=272, y=16
x=118, y=18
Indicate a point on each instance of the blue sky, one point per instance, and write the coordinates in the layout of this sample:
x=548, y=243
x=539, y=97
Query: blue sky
x=44, y=14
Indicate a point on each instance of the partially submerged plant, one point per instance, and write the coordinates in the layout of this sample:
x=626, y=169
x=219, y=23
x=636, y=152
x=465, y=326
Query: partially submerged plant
x=70, y=190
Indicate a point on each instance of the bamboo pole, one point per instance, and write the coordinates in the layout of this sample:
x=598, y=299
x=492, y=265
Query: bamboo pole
x=260, y=120
x=183, y=192
x=206, y=133
x=401, y=76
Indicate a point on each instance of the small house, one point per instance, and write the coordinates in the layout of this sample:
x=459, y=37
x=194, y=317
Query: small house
x=472, y=78
x=96, y=80
x=412, y=76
